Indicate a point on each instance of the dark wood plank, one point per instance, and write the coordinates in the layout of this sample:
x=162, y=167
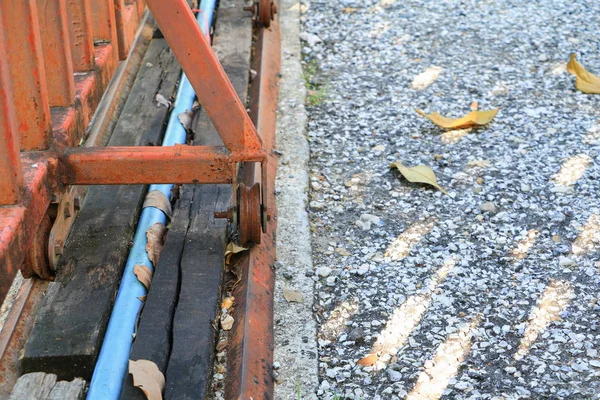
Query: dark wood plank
x=190, y=366
x=70, y=326
x=153, y=336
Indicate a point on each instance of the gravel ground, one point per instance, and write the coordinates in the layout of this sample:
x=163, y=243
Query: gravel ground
x=489, y=292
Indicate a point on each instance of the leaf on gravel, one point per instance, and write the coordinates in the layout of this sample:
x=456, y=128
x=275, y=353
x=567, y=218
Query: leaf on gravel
x=584, y=81
x=368, y=360
x=418, y=174
x=472, y=119
x=186, y=119
x=227, y=302
x=143, y=274
x=227, y=322
x=479, y=163
x=293, y=295
x=155, y=235
x=148, y=378
x=232, y=249
x=349, y=10
x=162, y=101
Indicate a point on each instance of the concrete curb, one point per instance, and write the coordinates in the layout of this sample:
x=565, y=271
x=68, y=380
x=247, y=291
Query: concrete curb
x=295, y=327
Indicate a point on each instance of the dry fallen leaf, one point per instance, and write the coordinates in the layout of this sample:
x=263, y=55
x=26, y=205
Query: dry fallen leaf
x=584, y=81
x=186, y=119
x=162, y=101
x=227, y=302
x=293, y=295
x=479, y=163
x=227, y=322
x=155, y=235
x=368, y=360
x=474, y=118
x=349, y=10
x=418, y=174
x=147, y=377
x=143, y=274
x=232, y=249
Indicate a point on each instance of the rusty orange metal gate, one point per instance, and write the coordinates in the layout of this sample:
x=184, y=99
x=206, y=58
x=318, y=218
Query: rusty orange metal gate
x=49, y=90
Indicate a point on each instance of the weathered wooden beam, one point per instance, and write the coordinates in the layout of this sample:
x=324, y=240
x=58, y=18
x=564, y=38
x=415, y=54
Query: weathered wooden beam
x=71, y=323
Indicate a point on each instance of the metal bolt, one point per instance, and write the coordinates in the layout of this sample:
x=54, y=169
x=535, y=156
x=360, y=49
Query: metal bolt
x=224, y=214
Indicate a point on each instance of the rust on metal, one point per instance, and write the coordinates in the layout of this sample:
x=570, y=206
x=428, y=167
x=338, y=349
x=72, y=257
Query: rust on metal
x=15, y=331
x=28, y=76
x=249, y=214
x=36, y=260
x=251, y=340
x=11, y=183
x=54, y=28
x=146, y=164
x=80, y=31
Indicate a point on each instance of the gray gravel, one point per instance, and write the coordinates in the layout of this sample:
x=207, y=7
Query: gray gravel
x=489, y=292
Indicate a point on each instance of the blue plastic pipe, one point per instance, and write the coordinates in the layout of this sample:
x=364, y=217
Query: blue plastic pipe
x=112, y=363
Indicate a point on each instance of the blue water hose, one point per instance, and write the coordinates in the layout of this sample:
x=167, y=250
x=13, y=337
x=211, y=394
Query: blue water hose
x=112, y=363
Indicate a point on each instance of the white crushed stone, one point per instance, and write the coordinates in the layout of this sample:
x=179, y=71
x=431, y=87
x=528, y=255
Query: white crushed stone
x=523, y=275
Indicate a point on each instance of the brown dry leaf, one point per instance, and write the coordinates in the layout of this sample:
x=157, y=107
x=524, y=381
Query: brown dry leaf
x=349, y=10
x=162, y=101
x=143, y=274
x=418, y=174
x=232, y=249
x=155, y=235
x=474, y=118
x=368, y=360
x=227, y=322
x=227, y=302
x=479, y=163
x=186, y=119
x=293, y=295
x=584, y=81
x=148, y=378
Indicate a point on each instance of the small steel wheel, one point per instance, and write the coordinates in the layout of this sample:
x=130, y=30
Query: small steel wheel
x=36, y=261
x=265, y=12
x=250, y=214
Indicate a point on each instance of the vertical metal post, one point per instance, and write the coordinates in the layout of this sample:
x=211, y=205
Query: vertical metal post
x=104, y=24
x=10, y=161
x=54, y=29
x=28, y=76
x=80, y=31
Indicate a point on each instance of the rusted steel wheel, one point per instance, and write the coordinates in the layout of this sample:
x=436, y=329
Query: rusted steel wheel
x=266, y=9
x=36, y=261
x=250, y=214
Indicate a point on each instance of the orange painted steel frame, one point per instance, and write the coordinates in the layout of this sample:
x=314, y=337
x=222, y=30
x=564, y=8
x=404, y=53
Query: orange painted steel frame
x=47, y=173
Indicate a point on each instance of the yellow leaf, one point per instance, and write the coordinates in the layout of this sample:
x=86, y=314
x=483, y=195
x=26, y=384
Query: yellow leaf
x=368, y=360
x=148, y=378
x=232, y=249
x=227, y=302
x=143, y=274
x=418, y=174
x=474, y=118
x=584, y=81
x=155, y=235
